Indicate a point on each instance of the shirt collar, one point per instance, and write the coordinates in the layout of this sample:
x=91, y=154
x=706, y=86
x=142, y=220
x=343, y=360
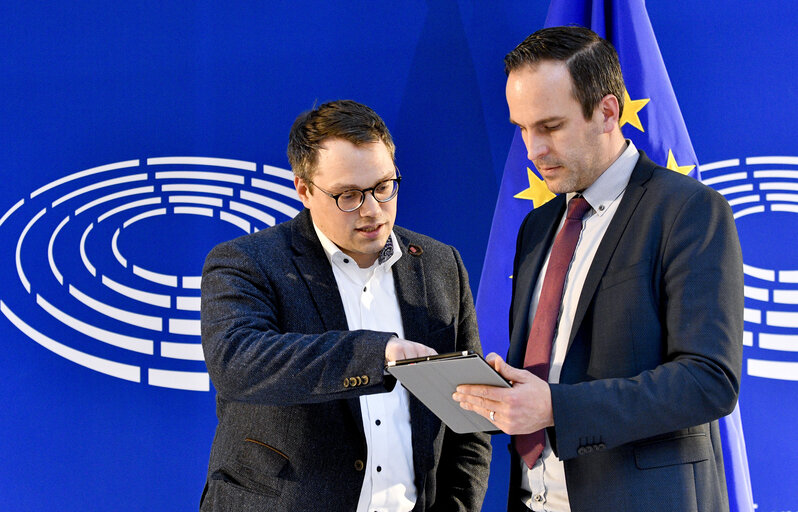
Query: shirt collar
x=612, y=182
x=388, y=256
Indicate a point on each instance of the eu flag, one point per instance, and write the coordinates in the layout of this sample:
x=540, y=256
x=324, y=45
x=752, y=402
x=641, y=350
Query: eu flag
x=652, y=120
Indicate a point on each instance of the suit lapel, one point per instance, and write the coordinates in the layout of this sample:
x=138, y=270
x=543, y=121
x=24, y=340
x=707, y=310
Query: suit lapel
x=543, y=228
x=410, y=282
x=316, y=272
x=635, y=190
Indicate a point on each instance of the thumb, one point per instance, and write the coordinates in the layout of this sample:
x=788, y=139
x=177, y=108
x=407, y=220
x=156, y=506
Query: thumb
x=510, y=373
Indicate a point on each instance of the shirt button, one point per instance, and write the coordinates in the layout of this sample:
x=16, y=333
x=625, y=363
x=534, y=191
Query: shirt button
x=538, y=498
x=364, y=288
x=378, y=422
x=379, y=468
x=601, y=208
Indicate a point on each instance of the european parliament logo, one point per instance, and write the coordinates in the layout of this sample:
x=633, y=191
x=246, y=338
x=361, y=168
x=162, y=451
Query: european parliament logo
x=763, y=194
x=103, y=266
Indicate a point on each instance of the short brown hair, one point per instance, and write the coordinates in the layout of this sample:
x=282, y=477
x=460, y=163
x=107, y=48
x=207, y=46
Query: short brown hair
x=591, y=61
x=342, y=119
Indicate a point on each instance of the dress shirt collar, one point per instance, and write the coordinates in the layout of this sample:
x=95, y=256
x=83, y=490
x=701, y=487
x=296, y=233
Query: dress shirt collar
x=389, y=255
x=612, y=182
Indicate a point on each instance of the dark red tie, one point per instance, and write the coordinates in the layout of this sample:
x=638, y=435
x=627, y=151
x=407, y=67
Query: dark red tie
x=538, y=346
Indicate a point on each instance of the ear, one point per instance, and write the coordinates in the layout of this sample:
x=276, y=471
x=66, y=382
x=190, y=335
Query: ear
x=302, y=191
x=610, y=112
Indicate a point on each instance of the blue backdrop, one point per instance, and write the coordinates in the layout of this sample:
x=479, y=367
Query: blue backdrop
x=105, y=220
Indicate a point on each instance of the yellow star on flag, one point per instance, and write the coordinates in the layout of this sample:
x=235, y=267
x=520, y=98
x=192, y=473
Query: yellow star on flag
x=537, y=192
x=673, y=166
x=630, y=109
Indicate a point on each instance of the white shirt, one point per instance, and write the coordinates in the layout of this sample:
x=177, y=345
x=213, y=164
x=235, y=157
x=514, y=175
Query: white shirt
x=370, y=302
x=543, y=486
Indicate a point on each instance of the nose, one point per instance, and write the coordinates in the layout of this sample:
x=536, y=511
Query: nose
x=536, y=146
x=370, y=206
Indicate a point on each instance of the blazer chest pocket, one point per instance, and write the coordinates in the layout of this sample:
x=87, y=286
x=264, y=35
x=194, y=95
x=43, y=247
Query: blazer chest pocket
x=685, y=448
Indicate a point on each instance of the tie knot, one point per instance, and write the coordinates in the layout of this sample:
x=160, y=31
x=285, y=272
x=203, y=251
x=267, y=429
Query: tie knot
x=577, y=207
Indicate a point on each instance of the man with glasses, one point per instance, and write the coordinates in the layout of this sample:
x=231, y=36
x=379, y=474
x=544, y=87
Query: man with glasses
x=298, y=322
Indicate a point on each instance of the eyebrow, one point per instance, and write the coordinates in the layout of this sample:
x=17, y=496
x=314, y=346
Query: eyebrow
x=345, y=187
x=547, y=120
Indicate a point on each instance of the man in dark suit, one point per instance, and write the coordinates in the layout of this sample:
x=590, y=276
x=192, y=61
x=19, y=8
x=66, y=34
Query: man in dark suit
x=298, y=322
x=632, y=350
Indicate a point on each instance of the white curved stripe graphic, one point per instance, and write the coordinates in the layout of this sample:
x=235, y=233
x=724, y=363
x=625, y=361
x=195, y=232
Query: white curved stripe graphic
x=11, y=210
x=155, y=277
x=783, y=342
x=87, y=172
x=145, y=215
x=118, y=340
x=777, y=185
x=785, y=296
x=737, y=189
x=748, y=339
x=792, y=208
x=115, y=248
x=782, y=319
x=50, y=244
x=207, y=189
x=756, y=293
x=235, y=220
x=199, y=175
x=752, y=315
x=759, y=273
x=148, y=322
x=252, y=212
x=279, y=189
x=745, y=199
x=83, y=255
x=190, y=381
x=776, y=174
x=188, y=303
x=129, y=206
x=95, y=186
x=183, y=326
x=18, y=253
x=193, y=210
x=788, y=276
x=192, y=282
x=154, y=299
x=209, y=201
x=269, y=202
x=790, y=198
x=279, y=173
x=773, y=369
x=118, y=370
x=755, y=160
x=723, y=178
x=734, y=162
x=187, y=351
x=201, y=160
x=111, y=197
x=749, y=211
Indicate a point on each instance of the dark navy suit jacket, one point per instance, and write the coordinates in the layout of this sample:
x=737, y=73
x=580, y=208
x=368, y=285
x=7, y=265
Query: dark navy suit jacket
x=655, y=353
x=288, y=375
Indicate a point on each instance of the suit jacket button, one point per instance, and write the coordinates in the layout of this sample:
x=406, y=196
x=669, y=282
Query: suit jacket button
x=581, y=450
x=601, y=446
x=365, y=380
x=359, y=380
x=346, y=382
x=352, y=381
x=359, y=465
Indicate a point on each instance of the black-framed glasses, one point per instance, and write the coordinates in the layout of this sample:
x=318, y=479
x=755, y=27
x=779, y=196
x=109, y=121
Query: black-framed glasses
x=351, y=200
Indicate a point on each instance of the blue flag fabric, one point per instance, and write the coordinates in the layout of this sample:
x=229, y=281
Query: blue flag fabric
x=653, y=121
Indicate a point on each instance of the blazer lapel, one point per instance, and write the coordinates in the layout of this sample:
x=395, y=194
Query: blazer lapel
x=544, y=228
x=316, y=272
x=635, y=190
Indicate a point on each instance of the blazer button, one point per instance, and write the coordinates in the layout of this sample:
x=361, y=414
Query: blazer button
x=581, y=450
x=346, y=382
x=365, y=380
x=359, y=380
x=601, y=446
x=352, y=381
x=359, y=465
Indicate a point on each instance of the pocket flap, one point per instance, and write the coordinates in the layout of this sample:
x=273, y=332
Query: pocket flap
x=684, y=449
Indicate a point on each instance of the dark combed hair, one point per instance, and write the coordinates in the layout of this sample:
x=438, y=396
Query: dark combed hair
x=342, y=119
x=591, y=60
